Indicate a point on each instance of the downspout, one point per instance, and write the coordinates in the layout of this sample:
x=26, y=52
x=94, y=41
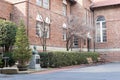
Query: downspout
x=94, y=30
x=70, y=8
x=28, y=18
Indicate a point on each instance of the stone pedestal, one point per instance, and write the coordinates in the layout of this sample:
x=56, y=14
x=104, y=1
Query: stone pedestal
x=35, y=62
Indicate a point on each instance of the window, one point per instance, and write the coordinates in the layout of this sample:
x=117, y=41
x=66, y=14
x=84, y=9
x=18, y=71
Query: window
x=101, y=35
x=39, y=28
x=43, y=3
x=42, y=30
x=42, y=26
x=64, y=9
x=64, y=34
x=75, y=44
x=39, y=2
x=47, y=30
x=46, y=4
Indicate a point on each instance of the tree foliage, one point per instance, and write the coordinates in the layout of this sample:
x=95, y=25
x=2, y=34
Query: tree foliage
x=22, y=52
x=7, y=34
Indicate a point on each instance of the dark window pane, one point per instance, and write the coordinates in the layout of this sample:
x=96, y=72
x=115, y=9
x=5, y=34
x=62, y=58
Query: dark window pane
x=100, y=18
x=37, y=61
x=103, y=24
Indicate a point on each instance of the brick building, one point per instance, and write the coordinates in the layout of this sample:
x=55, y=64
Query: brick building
x=31, y=11
x=100, y=16
x=107, y=21
x=5, y=11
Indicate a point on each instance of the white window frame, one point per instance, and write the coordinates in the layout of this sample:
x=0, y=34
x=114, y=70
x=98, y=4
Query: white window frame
x=39, y=29
x=39, y=2
x=64, y=34
x=43, y=3
x=46, y=4
x=47, y=27
x=101, y=29
x=64, y=11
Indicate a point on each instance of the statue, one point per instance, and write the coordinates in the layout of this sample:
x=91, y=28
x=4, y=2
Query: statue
x=34, y=50
x=35, y=60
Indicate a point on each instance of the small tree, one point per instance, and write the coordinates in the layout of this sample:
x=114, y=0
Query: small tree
x=7, y=35
x=22, y=52
x=75, y=28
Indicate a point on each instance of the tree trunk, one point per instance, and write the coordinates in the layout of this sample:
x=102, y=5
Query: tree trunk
x=67, y=45
x=6, y=48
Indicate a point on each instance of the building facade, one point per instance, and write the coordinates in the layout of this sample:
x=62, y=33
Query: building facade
x=5, y=12
x=100, y=17
x=35, y=13
x=106, y=22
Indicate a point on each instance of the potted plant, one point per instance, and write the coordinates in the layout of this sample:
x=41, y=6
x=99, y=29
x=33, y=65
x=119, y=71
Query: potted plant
x=22, y=51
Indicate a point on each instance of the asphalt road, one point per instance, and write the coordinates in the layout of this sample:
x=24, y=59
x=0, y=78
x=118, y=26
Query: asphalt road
x=101, y=72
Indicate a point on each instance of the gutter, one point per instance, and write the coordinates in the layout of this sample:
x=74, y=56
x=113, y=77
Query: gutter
x=106, y=5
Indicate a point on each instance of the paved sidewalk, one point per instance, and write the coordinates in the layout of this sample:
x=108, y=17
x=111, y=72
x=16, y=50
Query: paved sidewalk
x=109, y=71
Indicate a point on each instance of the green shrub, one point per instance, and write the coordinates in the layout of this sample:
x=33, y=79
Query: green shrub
x=44, y=59
x=11, y=60
x=59, y=59
x=1, y=63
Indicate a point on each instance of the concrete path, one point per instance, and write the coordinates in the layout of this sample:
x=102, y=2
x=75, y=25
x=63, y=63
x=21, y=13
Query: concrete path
x=102, y=72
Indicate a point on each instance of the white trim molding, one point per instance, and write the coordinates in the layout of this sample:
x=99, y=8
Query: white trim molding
x=57, y=48
x=106, y=50
x=49, y=48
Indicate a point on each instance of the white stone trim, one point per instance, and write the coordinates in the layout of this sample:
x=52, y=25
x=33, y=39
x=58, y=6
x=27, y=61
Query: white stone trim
x=49, y=48
x=106, y=50
x=57, y=48
x=76, y=49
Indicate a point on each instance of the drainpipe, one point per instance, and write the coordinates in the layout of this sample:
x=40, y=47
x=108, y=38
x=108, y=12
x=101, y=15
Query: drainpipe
x=27, y=18
x=94, y=31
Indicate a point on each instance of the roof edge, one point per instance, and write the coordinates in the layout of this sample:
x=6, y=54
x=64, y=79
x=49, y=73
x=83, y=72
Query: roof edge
x=6, y=2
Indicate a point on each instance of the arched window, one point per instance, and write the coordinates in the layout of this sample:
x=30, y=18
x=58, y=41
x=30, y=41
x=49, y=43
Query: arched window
x=101, y=35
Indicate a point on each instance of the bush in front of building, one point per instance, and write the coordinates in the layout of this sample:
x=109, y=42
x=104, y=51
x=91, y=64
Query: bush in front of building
x=60, y=59
x=11, y=60
x=44, y=59
x=1, y=64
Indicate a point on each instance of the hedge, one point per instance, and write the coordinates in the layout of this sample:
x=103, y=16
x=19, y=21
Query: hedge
x=59, y=59
x=11, y=60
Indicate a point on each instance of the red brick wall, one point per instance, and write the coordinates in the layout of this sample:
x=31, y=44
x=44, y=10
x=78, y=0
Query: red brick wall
x=82, y=10
x=20, y=12
x=57, y=20
x=112, y=22
x=5, y=9
x=112, y=46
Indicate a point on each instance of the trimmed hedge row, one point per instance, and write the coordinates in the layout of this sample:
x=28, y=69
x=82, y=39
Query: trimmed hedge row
x=59, y=59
